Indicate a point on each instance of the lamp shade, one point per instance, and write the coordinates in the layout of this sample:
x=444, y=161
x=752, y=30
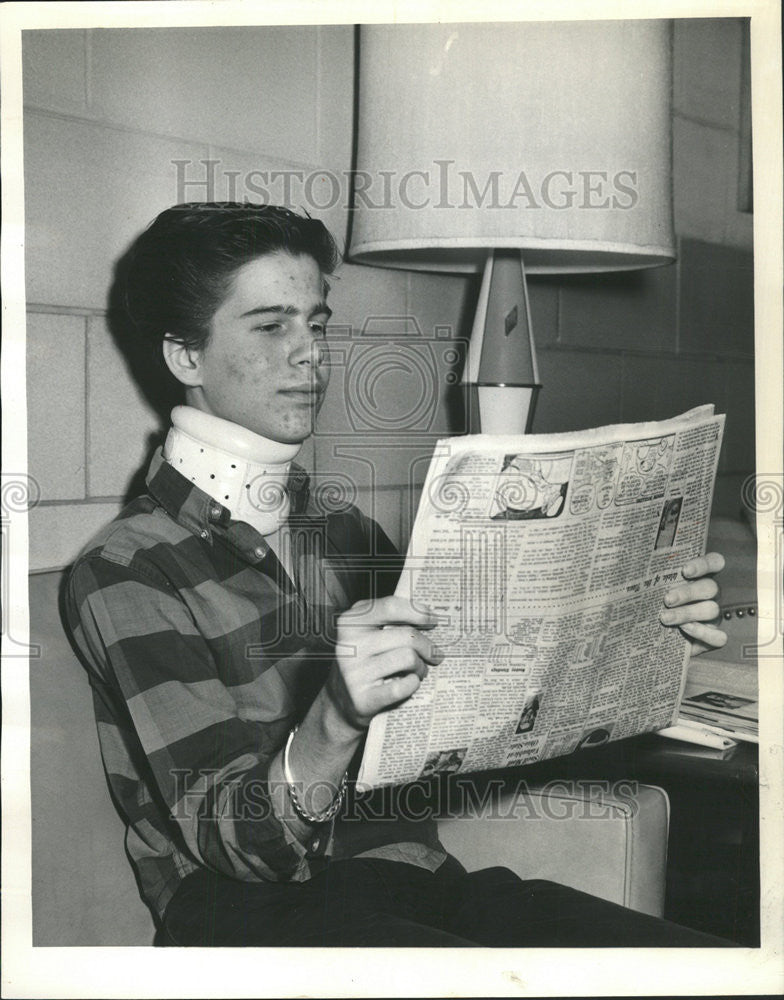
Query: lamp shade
x=553, y=138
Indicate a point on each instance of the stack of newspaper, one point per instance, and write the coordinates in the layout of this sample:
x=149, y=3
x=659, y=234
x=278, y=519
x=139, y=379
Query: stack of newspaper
x=722, y=698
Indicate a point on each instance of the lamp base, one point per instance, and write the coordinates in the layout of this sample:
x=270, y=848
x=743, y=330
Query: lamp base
x=500, y=409
x=500, y=368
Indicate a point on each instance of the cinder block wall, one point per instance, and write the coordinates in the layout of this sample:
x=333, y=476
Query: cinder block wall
x=118, y=126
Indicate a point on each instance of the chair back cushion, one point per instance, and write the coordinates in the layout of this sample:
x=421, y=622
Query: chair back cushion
x=84, y=890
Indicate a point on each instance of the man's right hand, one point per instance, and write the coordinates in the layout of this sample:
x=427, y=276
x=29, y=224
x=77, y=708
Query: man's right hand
x=382, y=656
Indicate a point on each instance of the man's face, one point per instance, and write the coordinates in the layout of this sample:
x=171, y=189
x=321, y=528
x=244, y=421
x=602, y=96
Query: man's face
x=264, y=365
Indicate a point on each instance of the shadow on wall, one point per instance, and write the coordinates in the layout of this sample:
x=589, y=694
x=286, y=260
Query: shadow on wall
x=145, y=364
x=137, y=484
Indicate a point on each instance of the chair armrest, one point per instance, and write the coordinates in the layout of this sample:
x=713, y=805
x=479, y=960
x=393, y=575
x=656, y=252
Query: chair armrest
x=605, y=838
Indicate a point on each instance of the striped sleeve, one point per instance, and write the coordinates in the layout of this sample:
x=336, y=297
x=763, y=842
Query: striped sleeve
x=208, y=765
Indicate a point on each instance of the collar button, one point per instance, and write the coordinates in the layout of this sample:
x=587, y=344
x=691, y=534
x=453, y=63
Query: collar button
x=259, y=551
x=215, y=512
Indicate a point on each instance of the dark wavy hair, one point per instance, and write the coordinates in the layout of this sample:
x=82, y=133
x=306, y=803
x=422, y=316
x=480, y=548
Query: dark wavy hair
x=177, y=273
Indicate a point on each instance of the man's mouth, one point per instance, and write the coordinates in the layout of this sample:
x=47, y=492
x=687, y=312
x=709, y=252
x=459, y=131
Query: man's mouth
x=306, y=393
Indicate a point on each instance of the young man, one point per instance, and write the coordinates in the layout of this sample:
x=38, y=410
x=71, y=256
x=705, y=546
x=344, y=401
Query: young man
x=237, y=654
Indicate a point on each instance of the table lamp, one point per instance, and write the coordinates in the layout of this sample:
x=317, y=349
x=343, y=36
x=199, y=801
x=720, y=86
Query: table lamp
x=512, y=148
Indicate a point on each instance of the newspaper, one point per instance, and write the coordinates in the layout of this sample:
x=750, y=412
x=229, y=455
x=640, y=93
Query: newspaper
x=546, y=558
x=722, y=697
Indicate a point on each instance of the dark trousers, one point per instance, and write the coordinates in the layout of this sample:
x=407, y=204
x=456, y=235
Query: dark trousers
x=373, y=902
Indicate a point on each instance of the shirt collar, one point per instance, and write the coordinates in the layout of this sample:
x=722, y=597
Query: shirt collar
x=202, y=514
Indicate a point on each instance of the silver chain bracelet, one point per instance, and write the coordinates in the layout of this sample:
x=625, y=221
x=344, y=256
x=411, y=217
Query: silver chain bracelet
x=331, y=811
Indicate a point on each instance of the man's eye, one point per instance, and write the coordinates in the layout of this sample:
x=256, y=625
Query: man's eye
x=319, y=328
x=268, y=327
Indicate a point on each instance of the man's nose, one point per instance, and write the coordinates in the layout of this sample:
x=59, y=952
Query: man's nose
x=309, y=349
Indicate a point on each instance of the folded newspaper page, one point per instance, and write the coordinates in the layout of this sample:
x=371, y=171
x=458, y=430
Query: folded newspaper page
x=723, y=697
x=546, y=558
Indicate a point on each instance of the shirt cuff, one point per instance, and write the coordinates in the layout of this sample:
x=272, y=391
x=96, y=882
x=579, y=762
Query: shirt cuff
x=312, y=838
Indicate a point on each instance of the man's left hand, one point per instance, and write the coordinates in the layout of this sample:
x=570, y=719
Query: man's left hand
x=691, y=605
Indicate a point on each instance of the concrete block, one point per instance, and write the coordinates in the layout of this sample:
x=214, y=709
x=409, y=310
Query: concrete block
x=383, y=506
x=385, y=405
x=442, y=300
x=628, y=309
x=306, y=457
x=579, y=390
x=361, y=295
x=660, y=388
x=251, y=87
x=738, y=225
x=122, y=426
x=409, y=507
x=368, y=463
x=716, y=299
x=739, y=432
x=443, y=307
x=236, y=175
x=56, y=405
x=728, y=496
x=335, y=95
x=707, y=68
x=90, y=190
x=59, y=533
x=53, y=69
x=705, y=166
x=543, y=298
x=369, y=310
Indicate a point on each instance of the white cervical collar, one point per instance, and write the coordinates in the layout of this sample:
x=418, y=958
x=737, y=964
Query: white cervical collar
x=243, y=471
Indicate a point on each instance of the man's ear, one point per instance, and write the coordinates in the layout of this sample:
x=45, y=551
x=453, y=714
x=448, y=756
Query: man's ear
x=184, y=362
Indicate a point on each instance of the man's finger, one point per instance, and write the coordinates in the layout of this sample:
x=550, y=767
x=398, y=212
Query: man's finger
x=702, y=589
x=702, y=611
x=395, y=663
x=392, y=637
x=395, y=690
x=711, y=636
x=386, y=611
x=711, y=562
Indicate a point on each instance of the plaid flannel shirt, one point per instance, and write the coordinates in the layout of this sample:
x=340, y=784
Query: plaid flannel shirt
x=201, y=655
